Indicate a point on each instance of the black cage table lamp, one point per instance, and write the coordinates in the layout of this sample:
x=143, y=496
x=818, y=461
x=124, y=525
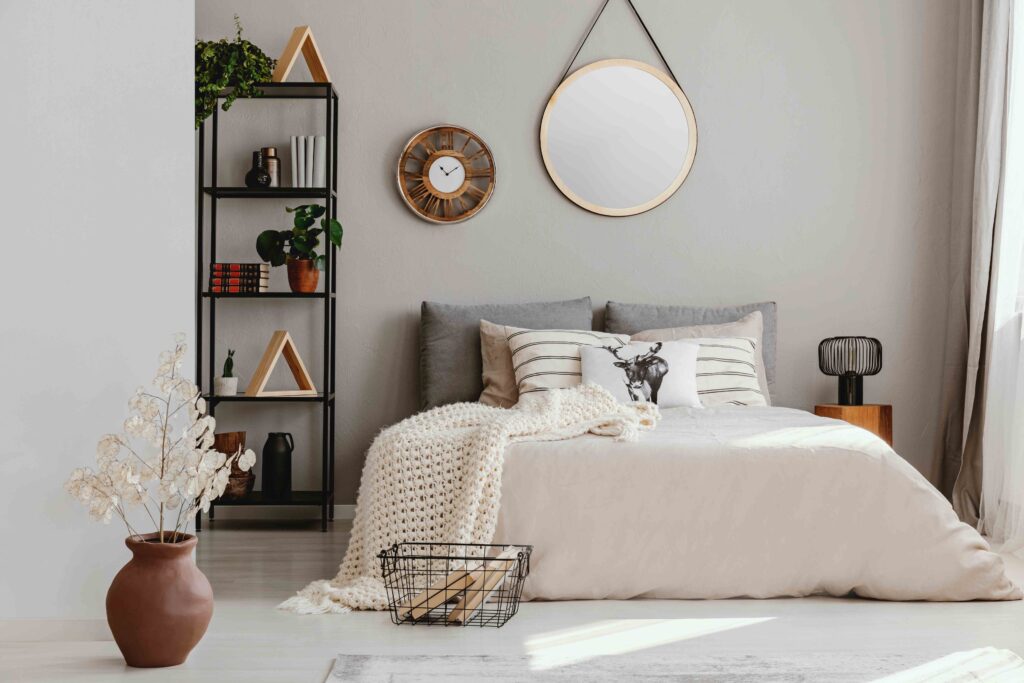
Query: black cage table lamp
x=849, y=359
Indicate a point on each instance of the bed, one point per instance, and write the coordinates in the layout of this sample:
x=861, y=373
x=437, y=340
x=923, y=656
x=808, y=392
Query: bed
x=738, y=502
x=714, y=503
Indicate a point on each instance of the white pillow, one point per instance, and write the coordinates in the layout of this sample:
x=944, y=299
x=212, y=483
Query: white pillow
x=550, y=359
x=750, y=325
x=661, y=372
x=727, y=372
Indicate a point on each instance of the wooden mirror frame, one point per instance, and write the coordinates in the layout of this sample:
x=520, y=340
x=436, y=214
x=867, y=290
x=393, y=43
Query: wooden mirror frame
x=691, y=151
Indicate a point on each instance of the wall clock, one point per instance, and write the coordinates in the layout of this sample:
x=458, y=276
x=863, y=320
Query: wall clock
x=446, y=174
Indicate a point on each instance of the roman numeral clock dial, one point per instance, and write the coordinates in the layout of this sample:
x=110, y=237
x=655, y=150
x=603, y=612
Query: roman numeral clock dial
x=446, y=174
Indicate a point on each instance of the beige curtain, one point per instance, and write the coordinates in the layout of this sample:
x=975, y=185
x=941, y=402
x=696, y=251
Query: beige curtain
x=984, y=320
x=955, y=375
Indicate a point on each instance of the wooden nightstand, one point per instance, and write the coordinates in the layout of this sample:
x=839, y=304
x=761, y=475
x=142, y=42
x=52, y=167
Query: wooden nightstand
x=873, y=417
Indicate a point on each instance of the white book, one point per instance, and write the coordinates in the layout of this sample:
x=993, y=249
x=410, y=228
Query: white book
x=309, y=161
x=300, y=142
x=295, y=164
x=320, y=161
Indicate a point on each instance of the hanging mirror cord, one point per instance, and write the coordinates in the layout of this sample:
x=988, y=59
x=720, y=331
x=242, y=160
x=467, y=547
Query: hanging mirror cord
x=642, y=24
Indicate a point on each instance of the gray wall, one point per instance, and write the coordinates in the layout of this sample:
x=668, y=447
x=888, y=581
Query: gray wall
x=97, y=190
x=822, y=181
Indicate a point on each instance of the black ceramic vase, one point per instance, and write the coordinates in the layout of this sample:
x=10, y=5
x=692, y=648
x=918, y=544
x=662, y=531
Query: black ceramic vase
x=277, y=466
x=257, y=175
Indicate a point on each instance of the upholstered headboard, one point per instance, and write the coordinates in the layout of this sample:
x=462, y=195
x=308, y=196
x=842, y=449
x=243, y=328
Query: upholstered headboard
x=450, y=359
x=632, y=318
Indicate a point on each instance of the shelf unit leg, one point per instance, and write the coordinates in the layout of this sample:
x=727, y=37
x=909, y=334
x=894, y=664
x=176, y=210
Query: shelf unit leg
x=199, y=522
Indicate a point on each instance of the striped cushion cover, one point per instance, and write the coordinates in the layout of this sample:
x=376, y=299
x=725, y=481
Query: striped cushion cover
x=550, y=359
x=727, y=372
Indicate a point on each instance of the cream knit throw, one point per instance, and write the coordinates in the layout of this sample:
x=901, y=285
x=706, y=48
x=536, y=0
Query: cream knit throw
x=436, y=476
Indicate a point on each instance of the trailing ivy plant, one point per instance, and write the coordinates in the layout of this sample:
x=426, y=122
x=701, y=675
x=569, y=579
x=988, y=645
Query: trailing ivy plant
x=302, y=239
x=220, y=64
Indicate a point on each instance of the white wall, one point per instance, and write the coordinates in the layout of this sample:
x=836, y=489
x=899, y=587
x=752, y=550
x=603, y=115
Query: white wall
x=822, y=181
x=96, y=184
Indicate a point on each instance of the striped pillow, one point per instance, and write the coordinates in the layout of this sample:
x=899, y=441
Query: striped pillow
x=727, y=372
x=550, y=359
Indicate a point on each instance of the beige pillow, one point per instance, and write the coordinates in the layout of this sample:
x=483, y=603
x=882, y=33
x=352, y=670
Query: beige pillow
x=750, y=325
x=500, y=387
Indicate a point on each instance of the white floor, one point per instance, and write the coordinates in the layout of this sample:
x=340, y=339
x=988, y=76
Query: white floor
x=253, y=568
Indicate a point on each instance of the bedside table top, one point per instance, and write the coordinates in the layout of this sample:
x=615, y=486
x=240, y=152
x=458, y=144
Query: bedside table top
x=839, y=406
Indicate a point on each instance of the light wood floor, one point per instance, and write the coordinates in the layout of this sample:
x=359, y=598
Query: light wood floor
x=252, y=568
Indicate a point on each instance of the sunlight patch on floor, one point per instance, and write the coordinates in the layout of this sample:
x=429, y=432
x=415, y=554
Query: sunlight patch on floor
x=619, y=636
x=984, y=664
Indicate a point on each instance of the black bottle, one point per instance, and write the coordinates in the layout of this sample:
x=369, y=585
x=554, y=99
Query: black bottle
x=277, y=466
x=257, y=175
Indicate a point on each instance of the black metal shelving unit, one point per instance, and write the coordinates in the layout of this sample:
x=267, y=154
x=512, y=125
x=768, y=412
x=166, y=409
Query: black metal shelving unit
x=206, y=302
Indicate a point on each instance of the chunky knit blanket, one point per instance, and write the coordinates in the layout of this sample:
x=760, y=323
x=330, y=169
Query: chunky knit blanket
x=436, y=477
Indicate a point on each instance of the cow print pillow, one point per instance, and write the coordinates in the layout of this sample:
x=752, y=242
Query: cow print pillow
x=660, y=372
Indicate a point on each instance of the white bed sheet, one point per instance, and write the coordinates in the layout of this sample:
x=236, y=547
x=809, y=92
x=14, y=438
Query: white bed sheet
x=738, y=501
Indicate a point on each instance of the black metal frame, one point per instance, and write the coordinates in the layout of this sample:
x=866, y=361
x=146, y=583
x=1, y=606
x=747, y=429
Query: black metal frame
x=324, y=498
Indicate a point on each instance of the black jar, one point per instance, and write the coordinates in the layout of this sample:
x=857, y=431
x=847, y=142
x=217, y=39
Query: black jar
x=277, y=466
x=257, y=175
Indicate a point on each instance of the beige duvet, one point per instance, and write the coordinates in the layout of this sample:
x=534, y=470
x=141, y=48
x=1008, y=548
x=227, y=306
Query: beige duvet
x=730, y=502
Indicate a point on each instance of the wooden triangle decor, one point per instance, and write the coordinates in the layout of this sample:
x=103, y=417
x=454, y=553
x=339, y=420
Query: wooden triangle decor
x=281, y=343
x=302, y=39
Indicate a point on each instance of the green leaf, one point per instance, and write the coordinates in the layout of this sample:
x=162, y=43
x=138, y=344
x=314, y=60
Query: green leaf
x=303, y=221
x=316, y=210
x=336, y=232
x=270, y=247
x=320, y=261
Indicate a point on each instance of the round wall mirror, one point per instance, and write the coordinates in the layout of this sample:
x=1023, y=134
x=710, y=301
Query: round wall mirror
x=618, y=137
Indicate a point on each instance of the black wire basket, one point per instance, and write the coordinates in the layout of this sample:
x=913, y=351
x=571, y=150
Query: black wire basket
x=454, y=584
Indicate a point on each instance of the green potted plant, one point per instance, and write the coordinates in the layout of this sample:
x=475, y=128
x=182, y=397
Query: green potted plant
x=227, y=383
x=237, y=66
x=297, y=246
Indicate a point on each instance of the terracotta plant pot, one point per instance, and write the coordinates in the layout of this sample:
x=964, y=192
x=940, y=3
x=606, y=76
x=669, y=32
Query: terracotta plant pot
x=303, y=275
x=159, y=605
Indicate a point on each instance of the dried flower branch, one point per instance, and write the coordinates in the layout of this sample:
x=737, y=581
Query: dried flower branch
x=178, y=469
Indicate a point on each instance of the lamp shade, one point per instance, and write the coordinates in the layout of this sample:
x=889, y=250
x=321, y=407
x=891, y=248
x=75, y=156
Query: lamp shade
x=850, y=358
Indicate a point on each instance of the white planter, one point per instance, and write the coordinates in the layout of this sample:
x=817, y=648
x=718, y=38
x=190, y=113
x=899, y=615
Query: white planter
x=225, y=386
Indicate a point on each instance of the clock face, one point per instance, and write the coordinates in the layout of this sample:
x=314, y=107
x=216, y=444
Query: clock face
x=446, y=174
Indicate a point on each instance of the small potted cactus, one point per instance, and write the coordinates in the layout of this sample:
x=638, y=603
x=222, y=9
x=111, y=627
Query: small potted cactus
x=227, y=383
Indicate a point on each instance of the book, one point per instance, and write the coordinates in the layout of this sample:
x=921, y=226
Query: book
x=295, y=164
x=237, y=289
x=217, y=280
x=319, y=161
x=300, y=142
x=309, y=161
x=242, y=268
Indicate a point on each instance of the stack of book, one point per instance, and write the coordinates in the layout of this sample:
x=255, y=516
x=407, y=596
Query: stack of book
x=238, y=278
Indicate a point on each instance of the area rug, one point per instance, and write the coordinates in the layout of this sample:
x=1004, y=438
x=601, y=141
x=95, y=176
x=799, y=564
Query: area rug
x=990, y=665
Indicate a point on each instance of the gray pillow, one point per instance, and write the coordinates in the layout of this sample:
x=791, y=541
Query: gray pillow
x=450, y=360
x=633, y=318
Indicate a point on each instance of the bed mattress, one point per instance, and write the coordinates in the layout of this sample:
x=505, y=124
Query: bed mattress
x=738, y=502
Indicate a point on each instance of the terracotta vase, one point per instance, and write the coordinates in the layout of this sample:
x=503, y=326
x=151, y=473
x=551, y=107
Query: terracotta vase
x=303, y=275
x=159, y=605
